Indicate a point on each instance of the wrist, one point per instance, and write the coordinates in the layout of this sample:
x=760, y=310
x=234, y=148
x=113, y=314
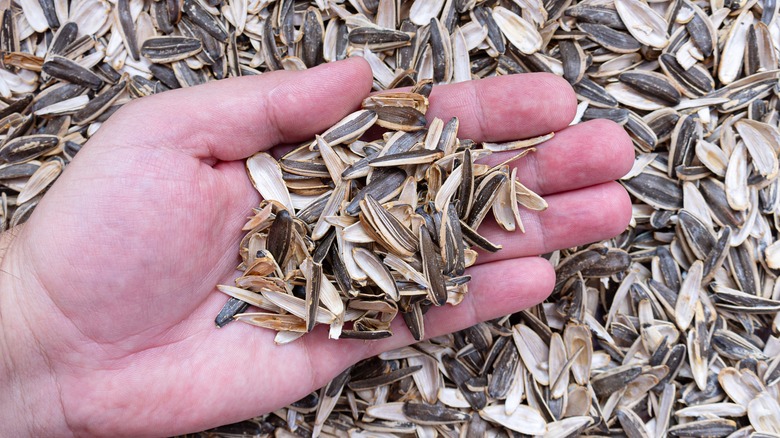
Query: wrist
x=29, y=399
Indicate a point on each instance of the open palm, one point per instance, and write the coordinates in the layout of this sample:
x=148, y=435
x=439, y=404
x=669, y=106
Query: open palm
x=108, y=291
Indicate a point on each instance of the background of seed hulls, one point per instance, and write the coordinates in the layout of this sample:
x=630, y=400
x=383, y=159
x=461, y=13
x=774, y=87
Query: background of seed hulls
x=669, y=328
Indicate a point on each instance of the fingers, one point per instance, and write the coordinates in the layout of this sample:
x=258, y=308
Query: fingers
x=573, y=218
x=507, y=107
x=579, y=156
x=232, y=119
x=496, y=289
x=522, y=106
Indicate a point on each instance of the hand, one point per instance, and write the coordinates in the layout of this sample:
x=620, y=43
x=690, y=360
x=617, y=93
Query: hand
x=108, y=297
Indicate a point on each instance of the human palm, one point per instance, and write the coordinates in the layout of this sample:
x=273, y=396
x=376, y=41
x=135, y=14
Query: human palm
x=108, y=291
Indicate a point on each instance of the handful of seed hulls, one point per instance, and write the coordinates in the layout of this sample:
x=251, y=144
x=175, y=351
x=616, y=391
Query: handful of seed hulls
x=350, y=232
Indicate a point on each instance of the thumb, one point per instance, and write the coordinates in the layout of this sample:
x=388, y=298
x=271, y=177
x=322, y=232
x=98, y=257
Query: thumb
x=234, y=118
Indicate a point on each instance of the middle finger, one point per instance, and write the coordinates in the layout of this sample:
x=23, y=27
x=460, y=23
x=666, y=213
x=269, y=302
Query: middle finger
x=582, y=155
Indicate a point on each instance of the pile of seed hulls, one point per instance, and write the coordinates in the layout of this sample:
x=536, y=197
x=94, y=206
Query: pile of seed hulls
x=353, y=232
x=693, y=82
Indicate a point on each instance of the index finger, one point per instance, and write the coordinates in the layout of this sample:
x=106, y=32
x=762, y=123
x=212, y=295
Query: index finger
x=506, y=107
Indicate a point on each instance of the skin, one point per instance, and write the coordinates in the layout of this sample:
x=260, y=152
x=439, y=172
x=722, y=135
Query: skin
x=108, y=291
